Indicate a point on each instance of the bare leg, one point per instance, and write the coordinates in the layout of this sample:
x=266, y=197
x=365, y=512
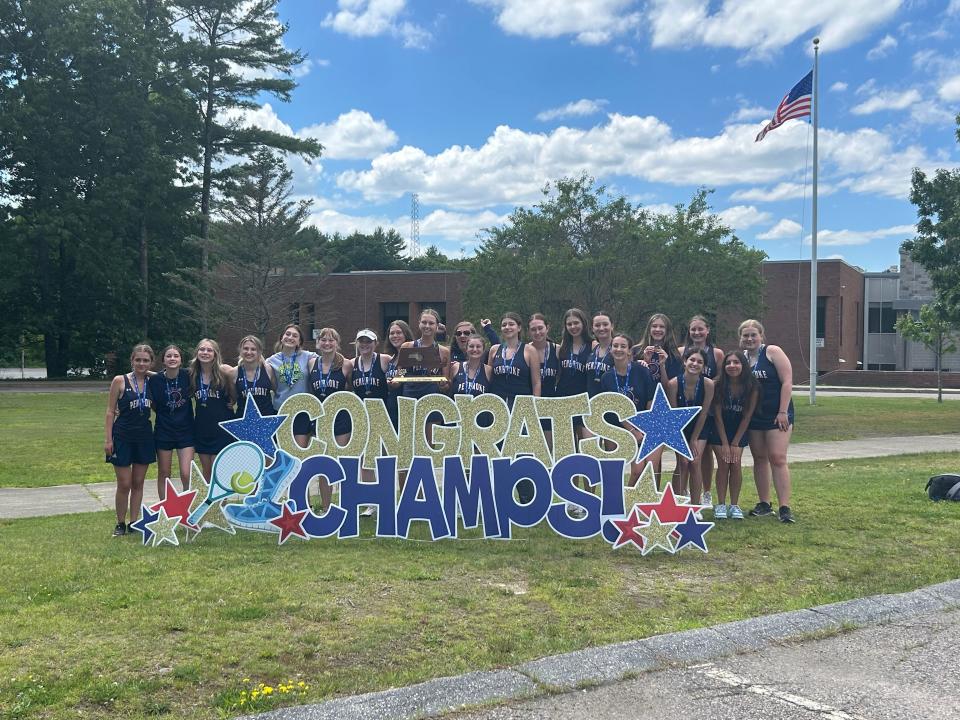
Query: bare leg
x=164, y=463
x=184, y=459
x=706, y=470
x=777, y=443
x=139, y=475
x=696, y=481
x=206, y=465
x=723, y=470
x=122, y=497
x=761, y=464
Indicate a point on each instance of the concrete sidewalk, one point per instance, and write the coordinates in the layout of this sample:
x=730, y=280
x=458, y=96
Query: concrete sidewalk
x=64, y=499
x=532, y=688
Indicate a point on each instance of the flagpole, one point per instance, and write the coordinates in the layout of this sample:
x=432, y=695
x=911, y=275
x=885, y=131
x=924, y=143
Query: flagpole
x=813, y=225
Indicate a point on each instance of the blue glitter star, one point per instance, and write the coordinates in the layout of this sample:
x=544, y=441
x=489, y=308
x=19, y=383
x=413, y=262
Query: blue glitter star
x=256, y=428
x=141, y=525
x=663, y=425
x=692, y=531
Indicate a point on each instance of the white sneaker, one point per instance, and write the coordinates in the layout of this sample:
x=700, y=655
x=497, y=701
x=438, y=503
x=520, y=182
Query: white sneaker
x=736, y=513
x=707, y=498
x=369, y=511
x=720, y=512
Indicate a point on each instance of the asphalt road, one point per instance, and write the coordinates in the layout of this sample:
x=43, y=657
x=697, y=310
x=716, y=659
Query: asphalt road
x=906, y=670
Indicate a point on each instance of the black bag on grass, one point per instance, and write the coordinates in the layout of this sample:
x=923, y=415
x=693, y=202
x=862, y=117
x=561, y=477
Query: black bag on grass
x=944, y=487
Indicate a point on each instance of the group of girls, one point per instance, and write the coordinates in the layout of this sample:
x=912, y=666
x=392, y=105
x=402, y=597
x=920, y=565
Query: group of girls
x=744, y=394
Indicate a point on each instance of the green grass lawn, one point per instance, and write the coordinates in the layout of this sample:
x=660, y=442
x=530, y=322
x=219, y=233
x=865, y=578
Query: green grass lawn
x=55, y=439
x=108, y=628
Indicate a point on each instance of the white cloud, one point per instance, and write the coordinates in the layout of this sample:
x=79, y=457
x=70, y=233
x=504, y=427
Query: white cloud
x=838, y=87
x=332, y=221
x=781, y=191
x=783, y=229
x=371, y=18
x=354, y=134
x=461, y=227
x=950, y=88
x=741, y=217
x=579, y=108
x=882, y=48
x=262, y=117
x=512, y=165
x=591, y=22
x=954, y=7
x=764, y=26
x=746, y=114
x=862, y=237
x=887, y=100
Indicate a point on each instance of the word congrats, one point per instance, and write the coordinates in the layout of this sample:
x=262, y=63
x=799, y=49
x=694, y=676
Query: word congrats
x=497, y=472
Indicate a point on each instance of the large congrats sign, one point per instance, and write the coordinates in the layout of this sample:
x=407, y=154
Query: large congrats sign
x=483, y=451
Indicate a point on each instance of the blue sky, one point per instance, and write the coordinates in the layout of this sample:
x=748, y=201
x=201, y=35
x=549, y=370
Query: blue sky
x=476, y=104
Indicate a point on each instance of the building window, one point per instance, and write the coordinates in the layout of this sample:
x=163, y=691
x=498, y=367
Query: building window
x=390, y=311
x=821, y=316
x=882, y=318
x=311, y=313
x=440, y=307
x=840, y=320
x=295, y=313
x=881, y=366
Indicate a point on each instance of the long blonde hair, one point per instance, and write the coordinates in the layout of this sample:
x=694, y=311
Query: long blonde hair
x=216, y=375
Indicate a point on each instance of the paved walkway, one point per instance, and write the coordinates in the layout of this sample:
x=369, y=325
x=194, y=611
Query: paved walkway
x=64, y=499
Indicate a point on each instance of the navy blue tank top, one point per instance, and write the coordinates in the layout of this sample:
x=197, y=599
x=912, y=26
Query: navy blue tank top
x=323, y=384
x=766, y=374
x=259, y=387
x=511, y=377
x=133, y=421
x=710, y=370
x=682, y=400
x=572, y=377
x=369, y=383
x=212, y=408
x=173, y=407
x=549, y=369
x=731, y=408
x=465, y=384
x=636, y=384
x=597, y=365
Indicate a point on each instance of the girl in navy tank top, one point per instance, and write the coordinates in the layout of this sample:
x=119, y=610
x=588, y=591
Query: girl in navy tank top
x=212, y=384
x=547, y=354
x=515, y=367
x=601, y=359
x=397, y=334
x=658, y=349
x=327, y=375
x=574, y=353
x=174, y=425
x=128, y=438
x=631, y=379
x=472, y=375
x=691, y=389
x=698, y=336
x=735, y=397
x=254, y=377
x=772, y=423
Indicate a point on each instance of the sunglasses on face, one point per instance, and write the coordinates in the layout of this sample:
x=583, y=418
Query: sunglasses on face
x=463, y=333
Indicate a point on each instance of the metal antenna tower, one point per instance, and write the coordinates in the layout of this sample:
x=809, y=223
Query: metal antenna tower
x=414, y=248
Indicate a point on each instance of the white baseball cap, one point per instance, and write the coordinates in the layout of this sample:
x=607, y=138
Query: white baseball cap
x=366, y=334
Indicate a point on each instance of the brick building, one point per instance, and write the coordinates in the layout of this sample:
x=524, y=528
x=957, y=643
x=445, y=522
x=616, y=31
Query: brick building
x=354, y=300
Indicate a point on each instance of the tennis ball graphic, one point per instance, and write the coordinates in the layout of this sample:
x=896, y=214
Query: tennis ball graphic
x=242, y=482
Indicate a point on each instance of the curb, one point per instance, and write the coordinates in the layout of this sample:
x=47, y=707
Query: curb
x=612, y=663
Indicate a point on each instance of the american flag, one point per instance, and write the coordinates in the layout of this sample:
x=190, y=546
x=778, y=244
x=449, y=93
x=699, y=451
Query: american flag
x=795, y=104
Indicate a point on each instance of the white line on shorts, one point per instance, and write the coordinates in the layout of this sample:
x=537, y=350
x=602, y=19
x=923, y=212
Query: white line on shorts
x=728, y=678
